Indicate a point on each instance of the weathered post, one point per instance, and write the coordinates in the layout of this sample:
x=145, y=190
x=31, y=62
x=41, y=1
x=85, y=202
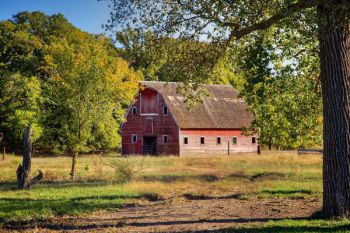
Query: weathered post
x=228, y=148
x=2, y=142
x=23, y=169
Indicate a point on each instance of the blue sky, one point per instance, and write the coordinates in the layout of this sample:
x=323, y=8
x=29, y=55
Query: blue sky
x=87, y=15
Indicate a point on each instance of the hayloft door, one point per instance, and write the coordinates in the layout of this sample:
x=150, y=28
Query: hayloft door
x=149, y=125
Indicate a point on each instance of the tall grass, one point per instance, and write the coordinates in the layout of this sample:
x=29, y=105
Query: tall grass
x=105, y=182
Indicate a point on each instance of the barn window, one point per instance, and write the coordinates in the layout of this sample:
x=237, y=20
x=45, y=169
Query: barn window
x=218, y=140
x=186, y=140
x=134, y=110
x=134, y=138
x=234, y=140
x=165, y=139
x=253, y=140
x=165, y=110
x=202, y=140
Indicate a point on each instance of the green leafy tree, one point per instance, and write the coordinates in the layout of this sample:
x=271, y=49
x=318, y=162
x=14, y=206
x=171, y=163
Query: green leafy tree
x=85, y=91
x=283, y=97
x=228, y=21
x=20, y=101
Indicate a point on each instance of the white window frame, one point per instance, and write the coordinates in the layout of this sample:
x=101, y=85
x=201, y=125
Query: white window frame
x=167, y=110
x=236, y=140
x=167, y=139
x=132, y=138
x=132, y=111
x=218, y=138
x=200, y=140
x=254, y=138
x=185, y=137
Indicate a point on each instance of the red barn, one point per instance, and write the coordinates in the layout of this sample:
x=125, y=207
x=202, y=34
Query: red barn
x=158, y=122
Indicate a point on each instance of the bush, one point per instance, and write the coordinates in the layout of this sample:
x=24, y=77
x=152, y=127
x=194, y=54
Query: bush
x=125, y=169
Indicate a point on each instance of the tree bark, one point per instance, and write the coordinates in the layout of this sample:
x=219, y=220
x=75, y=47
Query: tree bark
x=335, y=79
x=74, y=161
x=24, y=169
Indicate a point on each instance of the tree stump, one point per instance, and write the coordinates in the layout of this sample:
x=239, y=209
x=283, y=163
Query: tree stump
x=23, y=170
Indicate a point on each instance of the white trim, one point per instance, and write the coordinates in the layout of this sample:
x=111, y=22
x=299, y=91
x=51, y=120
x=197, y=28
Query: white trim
x=183, y=141
x=167, y=139
x=149, y=114
x=132, y=138
x=167, y=110
x=132, y=110
x=217, y=137
x=236, y=140
x=254, y=140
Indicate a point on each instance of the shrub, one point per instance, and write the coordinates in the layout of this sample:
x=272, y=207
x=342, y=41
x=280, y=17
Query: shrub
x=124, y=168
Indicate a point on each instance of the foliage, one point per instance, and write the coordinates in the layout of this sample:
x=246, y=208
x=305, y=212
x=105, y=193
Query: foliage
x=86, y=89
x=270, y=76
x=82, y=85
x=124, y=170
x=282, y=94
x=20, y=101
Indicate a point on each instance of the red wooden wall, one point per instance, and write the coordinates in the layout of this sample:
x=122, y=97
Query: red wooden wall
x=150, y=121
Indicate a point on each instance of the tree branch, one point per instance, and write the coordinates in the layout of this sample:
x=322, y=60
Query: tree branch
x=238, y=33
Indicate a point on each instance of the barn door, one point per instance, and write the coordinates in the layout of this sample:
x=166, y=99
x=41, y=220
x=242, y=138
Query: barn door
x=150, y=145
x=149, y=125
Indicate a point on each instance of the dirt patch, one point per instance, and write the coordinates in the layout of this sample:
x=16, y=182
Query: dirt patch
x=179, y=215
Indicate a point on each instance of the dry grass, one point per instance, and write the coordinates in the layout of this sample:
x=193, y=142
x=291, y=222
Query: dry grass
x=245, y=175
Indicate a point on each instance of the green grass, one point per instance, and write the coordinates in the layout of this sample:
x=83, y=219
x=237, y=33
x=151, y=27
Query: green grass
x=291, y=226
x=46, y=201
x=98, y=185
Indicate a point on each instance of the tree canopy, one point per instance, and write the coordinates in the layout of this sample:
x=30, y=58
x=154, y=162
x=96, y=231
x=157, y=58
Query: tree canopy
x=71, y=87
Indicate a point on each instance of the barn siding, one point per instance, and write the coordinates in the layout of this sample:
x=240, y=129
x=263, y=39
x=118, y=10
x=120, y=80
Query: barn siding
x=139, y=124
x=244, y=143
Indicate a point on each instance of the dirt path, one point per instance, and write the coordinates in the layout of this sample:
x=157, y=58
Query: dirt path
x=184, y=215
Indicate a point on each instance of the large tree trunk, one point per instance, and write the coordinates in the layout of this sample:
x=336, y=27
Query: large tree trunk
x=24, y=169
x=335, y=78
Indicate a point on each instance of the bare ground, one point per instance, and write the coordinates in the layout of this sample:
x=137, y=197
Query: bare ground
x=180, y=215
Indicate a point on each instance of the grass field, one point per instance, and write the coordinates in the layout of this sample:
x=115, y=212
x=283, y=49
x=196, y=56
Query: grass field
x=107, y=182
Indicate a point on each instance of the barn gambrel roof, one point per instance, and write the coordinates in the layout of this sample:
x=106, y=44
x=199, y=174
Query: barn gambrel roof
x=222, y=109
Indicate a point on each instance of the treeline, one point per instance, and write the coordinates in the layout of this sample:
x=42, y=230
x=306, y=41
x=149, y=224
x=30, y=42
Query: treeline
x=73, y=88
x=69, y=86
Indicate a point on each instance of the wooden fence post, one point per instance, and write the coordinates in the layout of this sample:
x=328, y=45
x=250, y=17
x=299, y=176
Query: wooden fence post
x=2, y=142
x=228, y=148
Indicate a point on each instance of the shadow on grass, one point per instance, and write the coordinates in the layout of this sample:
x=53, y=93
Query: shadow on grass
x=283, y=229
x=8, y=186
x=190, y=196
x=212, y=177
x=175, y=178
x=16, y=209
x=100, y=225
x=268, y=176
x=287, y=192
